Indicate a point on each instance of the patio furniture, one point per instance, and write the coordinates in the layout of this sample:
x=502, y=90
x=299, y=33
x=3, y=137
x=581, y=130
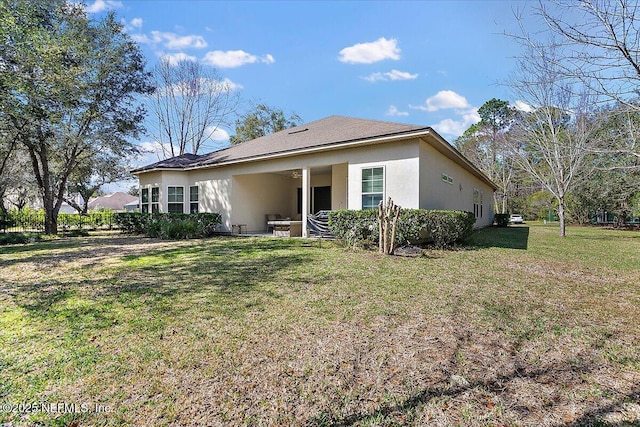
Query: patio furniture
x=239, y=228
x=286, y=228
x=271, y=217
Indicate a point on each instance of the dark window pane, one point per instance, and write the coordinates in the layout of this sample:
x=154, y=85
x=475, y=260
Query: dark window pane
x=176, y=208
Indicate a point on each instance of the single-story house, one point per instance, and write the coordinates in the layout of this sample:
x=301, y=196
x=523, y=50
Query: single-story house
x=116, y=202
x=132, y=206
x=333, y=163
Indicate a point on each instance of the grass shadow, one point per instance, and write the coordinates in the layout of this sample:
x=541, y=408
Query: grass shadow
x=224, y=272
x=512, y=237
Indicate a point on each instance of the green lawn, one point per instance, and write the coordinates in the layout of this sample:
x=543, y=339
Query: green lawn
x=523, y=328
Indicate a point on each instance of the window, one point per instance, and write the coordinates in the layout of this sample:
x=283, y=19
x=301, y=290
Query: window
x=477, y=203
x=175, y=199
x=372, y=187
x=446, y=178
x=193, y=199
x=144, y=200
x=155, y=200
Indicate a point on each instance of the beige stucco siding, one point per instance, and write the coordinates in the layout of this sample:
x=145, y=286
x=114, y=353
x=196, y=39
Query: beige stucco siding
x=255, y=195
x=401, y=171
x=438, y=194
x=339, y=176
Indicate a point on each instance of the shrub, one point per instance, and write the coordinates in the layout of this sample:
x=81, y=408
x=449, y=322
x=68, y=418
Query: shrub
x=132, y=222
x=501, y=220
x=440, y=227
x=169, y=226
x=355, y=227
x=18, y=238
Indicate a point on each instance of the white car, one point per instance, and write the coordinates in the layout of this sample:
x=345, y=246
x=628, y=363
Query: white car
x=516, y=219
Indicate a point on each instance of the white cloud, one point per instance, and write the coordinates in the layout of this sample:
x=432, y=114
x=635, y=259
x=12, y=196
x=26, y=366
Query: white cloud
x=445, y=99
x=268, y=59
x=368, y=53
x=391, y=75
x=230, y=85
x=523, y=106
x=171, y=41
x=393, y=111
x=234, y=58
x=175, y=58
x=217, y=134
x=136, y=23
x=101, y=5
x=456, y=127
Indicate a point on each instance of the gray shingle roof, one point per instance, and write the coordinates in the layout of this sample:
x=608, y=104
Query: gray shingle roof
x=115, y=201
x=333, y=130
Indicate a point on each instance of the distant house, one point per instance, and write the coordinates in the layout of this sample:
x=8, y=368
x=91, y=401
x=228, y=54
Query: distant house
x=67, y=208
x=334, y=163
x=115, y=202
x=132, y=206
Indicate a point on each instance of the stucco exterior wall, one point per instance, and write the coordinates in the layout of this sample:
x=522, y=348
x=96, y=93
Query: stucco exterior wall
x=256, y=195
x=401, y=171
x=438, y=194
x=339, y=177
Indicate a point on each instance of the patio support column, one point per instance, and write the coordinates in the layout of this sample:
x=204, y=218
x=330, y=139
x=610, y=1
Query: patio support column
x=306, y=182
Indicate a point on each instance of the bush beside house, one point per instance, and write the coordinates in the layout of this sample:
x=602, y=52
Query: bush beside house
x=442, y=228
x=168, y=225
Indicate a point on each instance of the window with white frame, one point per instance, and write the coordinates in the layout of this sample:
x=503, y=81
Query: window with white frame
x=175, y=199
x=372, y=187
x=447, y=178
x=193, y=199
x=144, y=200
x=477, y=203
x=155, y=199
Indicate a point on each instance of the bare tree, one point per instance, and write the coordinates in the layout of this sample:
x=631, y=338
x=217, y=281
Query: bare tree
x=551, y=141
x=599, y=41
x=190, y=104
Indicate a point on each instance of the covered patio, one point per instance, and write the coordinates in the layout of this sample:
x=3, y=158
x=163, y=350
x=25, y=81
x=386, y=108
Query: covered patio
x=286, y=197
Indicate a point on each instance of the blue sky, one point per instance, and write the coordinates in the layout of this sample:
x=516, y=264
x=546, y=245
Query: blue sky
x=421, y=62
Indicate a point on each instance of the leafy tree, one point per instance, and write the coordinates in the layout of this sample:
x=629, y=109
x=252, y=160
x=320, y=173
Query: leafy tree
x=69, y=86
x=190, y=103
x=484, y=143
x=616, y=181
x=134, y=190
x=262, y=120
x=89, y=177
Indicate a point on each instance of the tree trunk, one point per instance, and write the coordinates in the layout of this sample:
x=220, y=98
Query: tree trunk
x=561, y=216
x=387, y=221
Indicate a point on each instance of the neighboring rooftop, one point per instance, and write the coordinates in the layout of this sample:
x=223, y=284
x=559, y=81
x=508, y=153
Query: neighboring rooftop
x=333, y=130
x=115, y=201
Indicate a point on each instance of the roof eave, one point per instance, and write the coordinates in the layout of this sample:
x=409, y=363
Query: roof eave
x=137, y=172
x=328, y=147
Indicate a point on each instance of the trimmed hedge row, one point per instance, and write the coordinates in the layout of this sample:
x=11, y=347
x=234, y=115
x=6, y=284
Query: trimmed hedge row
x=169, y=225
x=441, y=227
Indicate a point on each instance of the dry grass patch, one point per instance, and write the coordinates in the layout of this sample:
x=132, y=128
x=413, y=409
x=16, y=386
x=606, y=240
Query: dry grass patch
x=521, y=329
